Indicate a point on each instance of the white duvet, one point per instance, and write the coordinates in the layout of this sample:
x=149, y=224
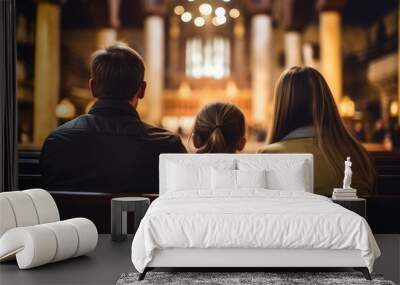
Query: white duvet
x=250, y=219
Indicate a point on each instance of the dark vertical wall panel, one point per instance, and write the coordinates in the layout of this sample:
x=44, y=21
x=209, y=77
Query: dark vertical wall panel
x=8, y=103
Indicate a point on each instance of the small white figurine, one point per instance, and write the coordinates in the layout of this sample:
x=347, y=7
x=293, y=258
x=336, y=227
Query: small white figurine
x=347, y=174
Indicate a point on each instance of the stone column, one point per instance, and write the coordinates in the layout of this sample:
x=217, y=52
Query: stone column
x=239, y=51
x=47, y=69
x=293, y=49
x=309, y=55
x=261, y=60
x=154, y=58
x=294, y=17
x=261, y=68
x=107, y=35
x=330, y=38
x=174, y=73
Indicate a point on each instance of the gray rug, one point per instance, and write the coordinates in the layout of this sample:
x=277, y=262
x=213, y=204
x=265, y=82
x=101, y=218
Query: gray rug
x=243, y=278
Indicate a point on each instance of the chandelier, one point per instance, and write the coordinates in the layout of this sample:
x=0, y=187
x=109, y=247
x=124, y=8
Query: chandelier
x=201, y=12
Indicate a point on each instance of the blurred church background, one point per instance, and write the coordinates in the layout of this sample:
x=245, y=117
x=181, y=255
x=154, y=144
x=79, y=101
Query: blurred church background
x=199, y=51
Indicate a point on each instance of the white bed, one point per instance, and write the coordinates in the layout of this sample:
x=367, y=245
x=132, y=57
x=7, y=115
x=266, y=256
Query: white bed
x=197, y=222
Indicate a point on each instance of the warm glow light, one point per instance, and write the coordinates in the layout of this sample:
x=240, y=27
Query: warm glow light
x=199, y=22
x=214, y=21
x=217, y=21
x=234, y=13
x=184, y=90
x=170, y=123
x=220, y=12
x=239, y=30
x=179, y=10
x=65, y=109
x=394, y=109
x=205, y=9
x=231, y=89
x=347, y=107
x=227, y=0
x=186, y=17
x=186, y=123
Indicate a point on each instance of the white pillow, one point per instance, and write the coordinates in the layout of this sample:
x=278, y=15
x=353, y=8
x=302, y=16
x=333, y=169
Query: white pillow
x=184, y=175
x=237, y=179
x=281, y=175
x=181, y=178
x=251, y=178
x=223, y=179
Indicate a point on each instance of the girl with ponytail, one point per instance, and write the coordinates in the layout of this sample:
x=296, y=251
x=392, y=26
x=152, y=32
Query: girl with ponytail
x=219, y=128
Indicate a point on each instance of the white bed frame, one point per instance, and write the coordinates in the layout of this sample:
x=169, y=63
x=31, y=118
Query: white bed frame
x=251, y=258
x=234, y=257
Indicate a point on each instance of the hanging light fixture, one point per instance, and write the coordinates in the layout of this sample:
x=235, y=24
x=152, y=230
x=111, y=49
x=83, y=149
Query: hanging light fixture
x=208, y=14
x=186, y=17
x=219, y=20
x=220, y=12
x=205, y=9
x=234, y=13
x=179, y=10
x=214, y=21
x=199, y=22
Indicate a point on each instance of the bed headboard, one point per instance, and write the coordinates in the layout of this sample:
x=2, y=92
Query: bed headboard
x=214, y=158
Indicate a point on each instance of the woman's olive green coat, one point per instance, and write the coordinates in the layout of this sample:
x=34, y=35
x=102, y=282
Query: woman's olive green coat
x=324, y=175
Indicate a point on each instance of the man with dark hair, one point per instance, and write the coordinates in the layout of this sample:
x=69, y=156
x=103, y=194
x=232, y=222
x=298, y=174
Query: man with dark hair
x=110, y=149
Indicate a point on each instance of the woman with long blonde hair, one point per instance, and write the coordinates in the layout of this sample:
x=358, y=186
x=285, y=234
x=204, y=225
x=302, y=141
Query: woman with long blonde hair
x=306, y=120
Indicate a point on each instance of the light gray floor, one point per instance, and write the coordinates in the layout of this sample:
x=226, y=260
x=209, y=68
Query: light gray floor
x=103, y=266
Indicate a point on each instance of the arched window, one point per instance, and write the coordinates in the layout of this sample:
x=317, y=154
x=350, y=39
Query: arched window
x=208, y=58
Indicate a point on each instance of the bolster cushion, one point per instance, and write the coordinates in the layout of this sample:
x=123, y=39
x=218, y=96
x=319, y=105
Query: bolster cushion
x=40, y=244
x=26, y=208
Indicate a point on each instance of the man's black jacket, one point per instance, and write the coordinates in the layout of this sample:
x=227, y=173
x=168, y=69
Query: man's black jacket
x=108, y=150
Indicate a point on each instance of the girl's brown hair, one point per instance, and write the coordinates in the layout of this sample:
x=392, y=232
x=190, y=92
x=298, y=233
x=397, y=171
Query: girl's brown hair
x=302, y=97
x=218, y=128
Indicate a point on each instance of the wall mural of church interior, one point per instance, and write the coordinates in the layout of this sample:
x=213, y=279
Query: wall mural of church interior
x=202, y=51
x=197, y=52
